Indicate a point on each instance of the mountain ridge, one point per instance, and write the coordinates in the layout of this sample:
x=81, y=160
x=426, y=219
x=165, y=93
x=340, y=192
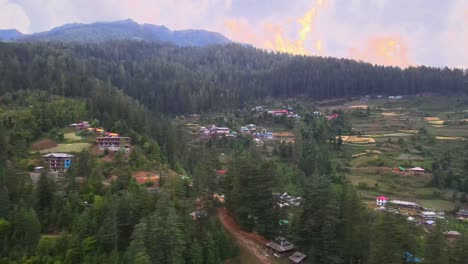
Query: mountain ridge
x=118, y=30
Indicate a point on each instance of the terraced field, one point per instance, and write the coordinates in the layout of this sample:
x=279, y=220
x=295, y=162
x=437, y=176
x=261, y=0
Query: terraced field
x=403, y=134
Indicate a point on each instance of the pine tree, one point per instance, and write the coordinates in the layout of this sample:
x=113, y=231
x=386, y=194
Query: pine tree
x=4, y=203
x=436, y=247
x=45, y=192
x=354, y=226
x=26, y=228
x=196, y=253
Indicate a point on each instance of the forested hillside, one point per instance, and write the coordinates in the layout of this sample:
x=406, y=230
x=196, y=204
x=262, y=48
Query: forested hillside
x=97, y=211
x=172, y=79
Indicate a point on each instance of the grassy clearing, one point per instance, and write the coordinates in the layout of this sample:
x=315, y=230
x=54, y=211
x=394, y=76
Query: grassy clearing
x=72, y=137
x=438, y=204
x=74, y=147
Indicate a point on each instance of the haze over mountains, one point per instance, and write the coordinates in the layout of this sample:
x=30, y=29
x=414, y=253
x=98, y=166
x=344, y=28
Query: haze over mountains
x=118, y=30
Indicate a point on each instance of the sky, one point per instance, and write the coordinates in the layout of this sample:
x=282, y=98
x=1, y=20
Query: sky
x=385, y=32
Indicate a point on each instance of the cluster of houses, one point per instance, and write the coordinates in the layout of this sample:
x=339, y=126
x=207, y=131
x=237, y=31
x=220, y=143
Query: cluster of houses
x=285, y=200
x=107, y=140
x=262, y=135
x=61, y=162
x=248, y=129
x=284, y=112
x=417, y=213
x=421, y=215
x=278, y=112
x=215, y=131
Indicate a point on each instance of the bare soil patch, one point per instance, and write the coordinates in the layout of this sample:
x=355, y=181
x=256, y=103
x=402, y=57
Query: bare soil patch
x=43, y=144
x=251, y=242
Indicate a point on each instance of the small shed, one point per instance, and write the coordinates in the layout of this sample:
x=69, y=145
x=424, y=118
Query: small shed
x=297, y=257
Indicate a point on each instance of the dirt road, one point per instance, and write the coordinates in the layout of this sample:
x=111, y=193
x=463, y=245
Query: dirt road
x=251, y=242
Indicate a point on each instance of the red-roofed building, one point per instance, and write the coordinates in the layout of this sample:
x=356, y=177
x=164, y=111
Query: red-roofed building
x=222, y=172
x=381, y=200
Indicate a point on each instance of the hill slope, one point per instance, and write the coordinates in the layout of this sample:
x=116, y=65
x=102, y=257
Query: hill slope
x=118, y=30
x=10, y=34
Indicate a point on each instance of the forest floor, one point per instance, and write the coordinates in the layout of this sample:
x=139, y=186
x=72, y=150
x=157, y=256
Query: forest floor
x=249, y=242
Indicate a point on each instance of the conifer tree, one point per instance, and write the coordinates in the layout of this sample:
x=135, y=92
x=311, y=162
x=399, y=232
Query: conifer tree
x=436, y=247
x=4, y=203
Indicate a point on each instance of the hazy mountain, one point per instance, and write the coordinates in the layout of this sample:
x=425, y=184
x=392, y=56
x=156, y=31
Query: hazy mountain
x=119, y=30
x=10, y=34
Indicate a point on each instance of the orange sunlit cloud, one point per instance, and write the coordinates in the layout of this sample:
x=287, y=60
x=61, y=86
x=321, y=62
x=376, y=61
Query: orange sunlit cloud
x=240, y=30
x=386, y=50
x=272, y=36
x=282, y=43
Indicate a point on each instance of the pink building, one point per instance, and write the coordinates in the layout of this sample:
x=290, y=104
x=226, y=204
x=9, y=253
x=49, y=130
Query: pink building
x=381, y=200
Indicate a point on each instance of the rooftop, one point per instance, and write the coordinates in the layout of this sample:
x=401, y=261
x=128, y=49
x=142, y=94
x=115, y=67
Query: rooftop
x=58, y=155
x=428, y=213
x=463, y=212
x=403, y=203
x=280, y=245
x=297, y=257
x=452, y=233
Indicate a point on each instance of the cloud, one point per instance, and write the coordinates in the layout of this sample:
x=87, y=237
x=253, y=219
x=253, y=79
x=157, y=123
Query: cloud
x=429, y=32
x=13, y=16
x=384, y=50
x=285, y=35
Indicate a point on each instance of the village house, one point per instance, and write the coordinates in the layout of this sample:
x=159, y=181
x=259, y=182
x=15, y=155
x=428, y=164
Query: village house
x=452, y=235
x=428, y=215
x=381, y=200
x=264, y=135
x=219, y=130
x=280, y=245
x=297, y=257
x=281, y=112
x=221, y=172
x=258, y=108
x=96, y=130
x=417, y=170
x=213, y=131
x=113, y=143
x=404, y=204
x=440, y=214
x=462, y=215
x=286, y=137
x=82, y=125
x=58, y=162
x=248, y=129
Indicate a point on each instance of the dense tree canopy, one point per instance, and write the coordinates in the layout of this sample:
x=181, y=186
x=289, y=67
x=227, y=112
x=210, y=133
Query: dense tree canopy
x=173, y=79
